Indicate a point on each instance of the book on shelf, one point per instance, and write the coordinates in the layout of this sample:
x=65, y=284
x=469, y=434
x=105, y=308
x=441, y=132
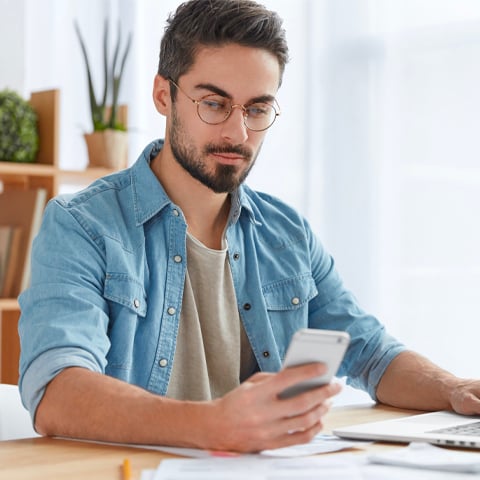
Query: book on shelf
x=22, y=209
x=12, y=258
x=6, y=232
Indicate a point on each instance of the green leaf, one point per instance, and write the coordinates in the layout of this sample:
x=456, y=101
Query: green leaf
x=112, y=80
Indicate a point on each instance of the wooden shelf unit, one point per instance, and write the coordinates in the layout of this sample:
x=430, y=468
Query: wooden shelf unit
x=44, y=173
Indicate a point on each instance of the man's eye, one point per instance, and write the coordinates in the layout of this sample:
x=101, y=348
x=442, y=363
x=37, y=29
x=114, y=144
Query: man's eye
x=214, y=104
x=259, y=110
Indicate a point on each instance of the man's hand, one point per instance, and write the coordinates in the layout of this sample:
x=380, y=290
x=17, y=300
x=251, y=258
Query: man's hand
x=412, y=381
x=253, y=417
x=465, y=397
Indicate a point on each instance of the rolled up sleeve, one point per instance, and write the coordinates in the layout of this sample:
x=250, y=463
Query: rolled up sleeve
x=64, y=317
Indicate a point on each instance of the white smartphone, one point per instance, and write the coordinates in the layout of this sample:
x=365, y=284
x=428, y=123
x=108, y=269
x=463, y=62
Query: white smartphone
x=310, y=345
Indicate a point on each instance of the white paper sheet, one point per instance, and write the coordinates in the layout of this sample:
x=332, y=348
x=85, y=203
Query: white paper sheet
x=261, y=468
x=340, y=466
x=319, y=444
x=431, y=457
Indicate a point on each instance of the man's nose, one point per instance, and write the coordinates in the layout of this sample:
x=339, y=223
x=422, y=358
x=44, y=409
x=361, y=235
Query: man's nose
x=234, y=128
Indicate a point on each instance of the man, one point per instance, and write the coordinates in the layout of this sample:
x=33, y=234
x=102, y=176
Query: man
x=164, y=297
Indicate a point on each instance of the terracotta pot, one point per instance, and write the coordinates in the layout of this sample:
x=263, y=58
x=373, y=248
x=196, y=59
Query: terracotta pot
x=107, y=149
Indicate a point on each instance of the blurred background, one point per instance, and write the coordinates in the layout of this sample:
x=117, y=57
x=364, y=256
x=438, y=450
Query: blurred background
x=378, y=144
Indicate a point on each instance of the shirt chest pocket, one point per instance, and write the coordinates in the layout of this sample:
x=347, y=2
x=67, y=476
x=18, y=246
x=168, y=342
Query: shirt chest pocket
x=290, y=294
x=124, y=287
x=121, y=289
x=127, y=304
x=287, y=303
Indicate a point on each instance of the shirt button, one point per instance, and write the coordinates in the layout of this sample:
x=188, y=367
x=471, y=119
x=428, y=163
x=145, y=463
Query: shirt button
x=247, y=306
x=295, y=301
x=266, y=354
x=177, y=258
x=175, y=212
x=236, y=256
x=171, y=310
x=163, y=362
x=136, y=303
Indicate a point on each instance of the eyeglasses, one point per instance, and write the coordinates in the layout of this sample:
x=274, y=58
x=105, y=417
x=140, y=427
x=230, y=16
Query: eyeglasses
x=214, y=109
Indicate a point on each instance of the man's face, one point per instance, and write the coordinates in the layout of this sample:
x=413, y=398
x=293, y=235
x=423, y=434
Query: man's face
x=221, y=156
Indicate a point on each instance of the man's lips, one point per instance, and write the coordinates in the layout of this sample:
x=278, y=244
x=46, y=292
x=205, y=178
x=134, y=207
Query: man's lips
x=228, y=158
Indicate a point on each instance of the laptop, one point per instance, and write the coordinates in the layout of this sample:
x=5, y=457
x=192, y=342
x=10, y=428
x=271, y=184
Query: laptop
x=440, y=428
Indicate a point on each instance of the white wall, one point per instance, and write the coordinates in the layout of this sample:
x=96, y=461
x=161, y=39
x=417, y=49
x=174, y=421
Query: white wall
x=12, y=45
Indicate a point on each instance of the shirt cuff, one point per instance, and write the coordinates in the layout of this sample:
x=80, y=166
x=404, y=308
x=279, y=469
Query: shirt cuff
x=375, y=368
x=46, y=367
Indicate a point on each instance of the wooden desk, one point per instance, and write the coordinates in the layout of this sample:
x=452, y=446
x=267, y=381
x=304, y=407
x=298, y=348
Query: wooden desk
x=55, y=459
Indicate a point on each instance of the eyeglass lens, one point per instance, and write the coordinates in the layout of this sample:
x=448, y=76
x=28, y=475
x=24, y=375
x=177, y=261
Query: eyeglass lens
x=215, y=109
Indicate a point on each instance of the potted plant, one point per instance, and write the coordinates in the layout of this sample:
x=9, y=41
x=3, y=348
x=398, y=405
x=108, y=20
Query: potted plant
x=18, y=128
x=107, y=145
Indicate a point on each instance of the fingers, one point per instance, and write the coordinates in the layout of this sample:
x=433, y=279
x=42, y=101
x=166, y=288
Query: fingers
x=466, y=398
x=301, y=417
x=305, y=411
x=275, y=384
x=260, y=377
x=290, y=431
x=291, y=376
x=469, y=406
x=296, y=437
x=306, y=401
x=305, y=420
x=271, y=422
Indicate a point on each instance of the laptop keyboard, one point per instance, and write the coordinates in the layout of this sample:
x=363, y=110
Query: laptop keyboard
x=472, y=429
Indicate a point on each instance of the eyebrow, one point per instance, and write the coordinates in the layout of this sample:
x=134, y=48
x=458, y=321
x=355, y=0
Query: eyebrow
x=219, y=91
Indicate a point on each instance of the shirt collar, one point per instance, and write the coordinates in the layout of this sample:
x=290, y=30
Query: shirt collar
x=241, y=203
x=149, y=197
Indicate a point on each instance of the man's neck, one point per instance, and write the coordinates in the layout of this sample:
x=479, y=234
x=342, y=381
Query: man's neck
x=206, y=212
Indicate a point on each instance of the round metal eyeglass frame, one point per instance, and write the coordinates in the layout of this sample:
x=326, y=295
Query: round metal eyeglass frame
x=276, y=110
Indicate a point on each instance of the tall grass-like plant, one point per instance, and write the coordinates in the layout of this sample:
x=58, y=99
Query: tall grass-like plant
x=112, y=72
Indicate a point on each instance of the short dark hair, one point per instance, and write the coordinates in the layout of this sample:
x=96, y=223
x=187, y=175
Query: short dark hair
x=200, y=23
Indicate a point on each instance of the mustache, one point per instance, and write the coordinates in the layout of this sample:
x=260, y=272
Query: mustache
x=236, y=149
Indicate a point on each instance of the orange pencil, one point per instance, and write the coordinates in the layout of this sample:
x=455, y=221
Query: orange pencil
x=127, y=469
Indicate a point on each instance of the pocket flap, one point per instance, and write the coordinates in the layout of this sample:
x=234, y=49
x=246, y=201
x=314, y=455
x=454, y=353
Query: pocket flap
x=290, y=294
x=123, y=289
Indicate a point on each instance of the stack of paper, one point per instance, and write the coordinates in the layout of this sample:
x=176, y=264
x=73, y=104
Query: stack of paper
x=430, y=457
x=422, y=462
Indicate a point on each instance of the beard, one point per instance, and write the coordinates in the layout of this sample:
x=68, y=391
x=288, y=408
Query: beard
x=223, y=178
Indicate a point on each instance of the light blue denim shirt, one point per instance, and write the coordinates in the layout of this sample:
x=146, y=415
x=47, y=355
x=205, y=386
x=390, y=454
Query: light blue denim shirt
x=108, y=271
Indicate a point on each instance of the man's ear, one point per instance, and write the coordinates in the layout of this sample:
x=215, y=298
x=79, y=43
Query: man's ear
x=161, y=94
